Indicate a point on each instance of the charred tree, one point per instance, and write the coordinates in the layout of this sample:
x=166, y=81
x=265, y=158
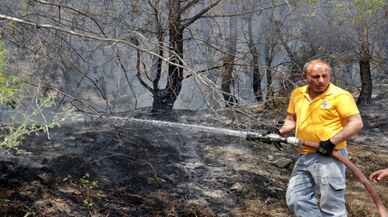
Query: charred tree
x=256, y=82
x=365, y=97
x=164, y=99
x=229, y=61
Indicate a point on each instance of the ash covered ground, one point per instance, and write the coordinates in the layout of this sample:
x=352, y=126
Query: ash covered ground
x=112, y=167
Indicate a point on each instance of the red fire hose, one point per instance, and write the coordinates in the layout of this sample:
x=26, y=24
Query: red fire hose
x=360, y=176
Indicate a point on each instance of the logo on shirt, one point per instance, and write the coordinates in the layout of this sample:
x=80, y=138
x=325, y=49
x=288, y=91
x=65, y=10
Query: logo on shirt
x=325, y=104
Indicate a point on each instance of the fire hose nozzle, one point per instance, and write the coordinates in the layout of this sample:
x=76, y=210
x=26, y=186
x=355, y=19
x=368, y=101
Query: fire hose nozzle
x=273, y=137
x=289, y=140
x=293, y=140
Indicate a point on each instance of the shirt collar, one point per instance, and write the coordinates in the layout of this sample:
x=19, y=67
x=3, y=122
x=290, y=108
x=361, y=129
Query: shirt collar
x=328, y=91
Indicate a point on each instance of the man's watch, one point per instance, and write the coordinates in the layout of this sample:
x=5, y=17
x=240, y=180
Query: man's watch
x=326, y=147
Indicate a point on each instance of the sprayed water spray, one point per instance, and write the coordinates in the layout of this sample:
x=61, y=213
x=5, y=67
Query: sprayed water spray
x=195, y=127
x=245, y=134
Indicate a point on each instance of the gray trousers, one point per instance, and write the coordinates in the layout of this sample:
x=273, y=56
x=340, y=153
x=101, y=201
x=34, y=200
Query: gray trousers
x=316, y=176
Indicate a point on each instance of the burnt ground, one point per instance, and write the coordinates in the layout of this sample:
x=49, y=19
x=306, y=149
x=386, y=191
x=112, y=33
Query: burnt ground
x=111, y=167
x=106, y=168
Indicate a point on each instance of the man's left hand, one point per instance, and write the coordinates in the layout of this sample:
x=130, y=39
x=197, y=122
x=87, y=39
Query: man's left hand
x=326, y=147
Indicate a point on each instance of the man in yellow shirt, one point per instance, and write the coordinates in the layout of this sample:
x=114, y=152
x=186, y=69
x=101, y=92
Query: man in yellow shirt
x=320, y=112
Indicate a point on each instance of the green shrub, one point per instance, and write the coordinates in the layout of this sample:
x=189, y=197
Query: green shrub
x=14, y=90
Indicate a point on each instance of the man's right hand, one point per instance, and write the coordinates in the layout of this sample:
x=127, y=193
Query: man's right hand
x=270, y=138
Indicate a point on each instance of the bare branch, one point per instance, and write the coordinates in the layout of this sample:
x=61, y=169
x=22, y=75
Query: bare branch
x=89, y=36
x=124, y=71
x=188, y=5
x=75, y=10
x=205, y=70
x=138, y=74
x=244, y=13
x=160, y=33
x=74, y=99
x=191, y=20
x=159, y=62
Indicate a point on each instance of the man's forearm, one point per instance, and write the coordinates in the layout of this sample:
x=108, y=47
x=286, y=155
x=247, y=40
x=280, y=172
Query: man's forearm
x=288, y=126
x=352, y=127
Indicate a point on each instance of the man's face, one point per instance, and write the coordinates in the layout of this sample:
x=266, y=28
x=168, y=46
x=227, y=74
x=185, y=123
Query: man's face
x=318, y=78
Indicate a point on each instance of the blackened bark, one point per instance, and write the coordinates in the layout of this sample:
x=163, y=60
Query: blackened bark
x=256, y=83
x=256, y=76
x=268, y=73
x=227, y=80
x=229, y=60
x=365, y=97
x=269, y=51
x=164, y=99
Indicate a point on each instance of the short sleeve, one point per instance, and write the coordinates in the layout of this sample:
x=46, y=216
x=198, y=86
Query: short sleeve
x=346, y=106
x=291, y=103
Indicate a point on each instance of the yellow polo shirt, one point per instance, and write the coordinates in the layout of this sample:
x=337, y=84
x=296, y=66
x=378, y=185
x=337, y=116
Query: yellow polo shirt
x=321, y=118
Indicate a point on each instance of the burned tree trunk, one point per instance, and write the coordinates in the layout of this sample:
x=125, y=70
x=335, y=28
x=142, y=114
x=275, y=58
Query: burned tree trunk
x=269, y=53
x=229, y=58
x=365, y=97
x=256, y=83
x=272, y=39
x=164, y=99
x=227, y=79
